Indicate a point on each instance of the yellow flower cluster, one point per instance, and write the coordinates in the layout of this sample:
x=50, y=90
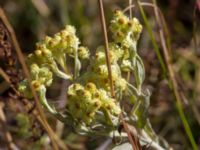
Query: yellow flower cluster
x=50, y=53
x=54, y=50
x=122, y=27
x=98, y=72
x=40, y=76
x=89, y=98
x=85, y=101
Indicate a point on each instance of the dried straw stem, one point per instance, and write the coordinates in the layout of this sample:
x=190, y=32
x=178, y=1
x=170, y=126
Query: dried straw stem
x=27, y=74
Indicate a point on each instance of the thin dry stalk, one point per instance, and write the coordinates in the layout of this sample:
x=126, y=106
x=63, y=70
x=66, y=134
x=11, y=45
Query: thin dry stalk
x=26, y=72
x=31, y=107
x=110, y=71
x=7, y=79
x=195, y=28
x=167, y=56
x=177, y=94
x=130, y=16
x=42, y=8
x=7, y=134
x=103, y=23
x=130, y=10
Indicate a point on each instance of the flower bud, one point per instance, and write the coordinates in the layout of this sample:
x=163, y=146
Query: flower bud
x=70, y=29
x=83, y=94
x=34, y=68
x=36, y=85
x=38, y=53
x=90, y=87
x=83, y=52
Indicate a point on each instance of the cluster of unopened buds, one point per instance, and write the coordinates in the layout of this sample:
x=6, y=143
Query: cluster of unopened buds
x=53, y=51
x=89, y=95
x=85, y=101
x=91, y=109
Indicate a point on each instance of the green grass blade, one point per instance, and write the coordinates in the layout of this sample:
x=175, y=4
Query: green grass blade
x=153, y=40
x=178, y=103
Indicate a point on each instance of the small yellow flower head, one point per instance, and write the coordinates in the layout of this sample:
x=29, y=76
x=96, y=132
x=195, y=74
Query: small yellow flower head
x=54, y=43
x=84, y=102
x=34, y=68
x=73, y=88
x=119, y=22
x=63, y=42
x=47, y=40
x=121, y=84
x=36, y=84
x=91, y=87
x=84, y=94
x=135, y=28
x=83, y=52
x=46, y=53
x=126, y=65
x=82, y=99
x=45, y=76
x=38, y=53
x=40, y=56
x=70, y=29
x=122, y=27
x=112, y=107
x=102, y=71
x=115, y=54
x=109, y=104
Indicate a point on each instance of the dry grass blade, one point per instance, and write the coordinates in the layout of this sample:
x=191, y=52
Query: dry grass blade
x=167, y=56
x=8, y=135
x=130, y=10
x=26, y=72
x=194, y=29
x=7, y=79
x=30, y=107
x=103, y=23
x=177, y=94
x=133, y=143
x=42, y=8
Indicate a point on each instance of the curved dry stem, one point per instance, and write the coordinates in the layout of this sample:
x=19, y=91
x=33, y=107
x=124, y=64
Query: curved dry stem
x=7, y=134
x=160, y=19
x=27, y=74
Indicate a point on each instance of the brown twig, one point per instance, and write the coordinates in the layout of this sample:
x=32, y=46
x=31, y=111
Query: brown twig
x=173, y=80
x=7, y=79
x=130, y=16
x=8, y=135
x=26, y=72
x=31, y=108
x=130, y=10
x=103, y=23
x=194, y=29
x=41, y=7
x=110, y=71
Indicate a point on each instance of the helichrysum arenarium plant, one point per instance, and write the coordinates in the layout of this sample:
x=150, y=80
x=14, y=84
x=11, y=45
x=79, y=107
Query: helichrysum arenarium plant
x=90, y=107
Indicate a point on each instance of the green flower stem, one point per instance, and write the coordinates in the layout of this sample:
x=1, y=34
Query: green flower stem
x=186, y=125
x=59, y=73
x=155, y=45
x=77, y=64
x=43, y=100
x=61, y=59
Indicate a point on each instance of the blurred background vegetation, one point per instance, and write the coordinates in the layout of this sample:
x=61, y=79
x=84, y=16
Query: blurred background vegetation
x=33, y=19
